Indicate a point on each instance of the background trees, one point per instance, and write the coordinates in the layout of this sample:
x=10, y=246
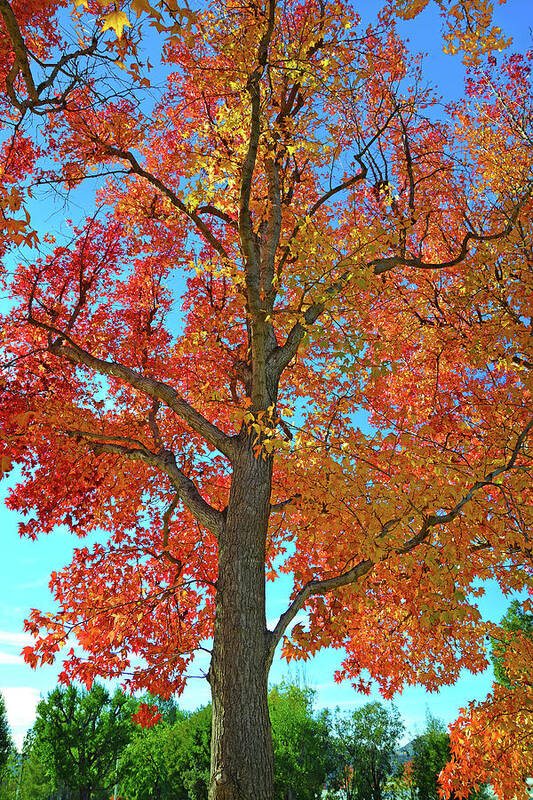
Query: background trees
x=6, y=743
x=78, y=736
x=431, y=751
x=303, y=744
x=365, y=741
x=35, y=782
x=338, y=242
x=172, y=759
x=8, y=764
x=516, y=625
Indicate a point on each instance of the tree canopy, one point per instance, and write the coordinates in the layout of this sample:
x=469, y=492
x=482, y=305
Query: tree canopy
x=366, y=741
x=77, y=737
x=290, y=230
x=6, y=742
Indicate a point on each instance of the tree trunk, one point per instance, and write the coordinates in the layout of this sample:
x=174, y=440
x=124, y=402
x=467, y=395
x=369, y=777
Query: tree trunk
x=241, y=742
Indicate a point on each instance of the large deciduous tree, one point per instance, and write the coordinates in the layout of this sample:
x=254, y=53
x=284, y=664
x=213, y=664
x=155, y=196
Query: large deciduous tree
x=291, y=229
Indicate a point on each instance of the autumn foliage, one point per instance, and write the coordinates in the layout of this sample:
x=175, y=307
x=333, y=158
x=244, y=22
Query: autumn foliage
x=293, y=338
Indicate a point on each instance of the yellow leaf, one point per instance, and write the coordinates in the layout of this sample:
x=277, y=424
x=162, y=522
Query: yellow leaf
x=143, y=5
x=84, y=3
x=116, y=20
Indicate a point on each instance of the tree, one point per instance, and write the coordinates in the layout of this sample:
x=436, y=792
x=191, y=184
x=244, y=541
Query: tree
x=302, y=743
x=366, y=742
x=172, y=760
x=478, y=743
x=9, y=761
x=401, y=785
x=35, y=784
x=515, y=625
x=148, y=763
x=6, y=742
x=78, y=737
x=431, y=751
x=347, y=244
x=189, y=753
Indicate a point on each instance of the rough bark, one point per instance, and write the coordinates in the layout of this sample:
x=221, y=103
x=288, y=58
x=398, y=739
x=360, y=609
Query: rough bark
x=241, y=743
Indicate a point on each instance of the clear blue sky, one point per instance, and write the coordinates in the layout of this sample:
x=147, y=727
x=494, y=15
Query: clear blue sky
x=26, y=565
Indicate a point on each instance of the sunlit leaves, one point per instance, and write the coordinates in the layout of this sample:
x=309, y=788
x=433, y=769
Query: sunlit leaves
x=397, y=299
x=116, y=20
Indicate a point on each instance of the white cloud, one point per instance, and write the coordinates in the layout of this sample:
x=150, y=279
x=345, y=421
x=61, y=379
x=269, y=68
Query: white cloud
x=15, y=638
x=10, y=658
x=21, y=702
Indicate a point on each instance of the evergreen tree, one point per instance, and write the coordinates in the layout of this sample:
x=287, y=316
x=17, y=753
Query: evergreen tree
x=6, y=742
x=7, y=754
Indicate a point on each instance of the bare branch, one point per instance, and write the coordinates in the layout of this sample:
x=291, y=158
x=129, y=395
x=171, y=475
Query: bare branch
x=284, y=503
x=21, y=63
x=166, y=519
x=209, y=208
x=314, y=588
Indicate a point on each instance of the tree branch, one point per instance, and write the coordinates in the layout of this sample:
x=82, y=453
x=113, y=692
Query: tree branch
x=165, y=461
x=285, y=353
x=247, y=235
x=382, y=265
x=284, y=503
x=209, y=208
x=149, y=386
x=248, y=238
x=325, y=197
x=326, y=585
x=488, y=480
x=21, y=63
x=313, y=588
x=136, y=168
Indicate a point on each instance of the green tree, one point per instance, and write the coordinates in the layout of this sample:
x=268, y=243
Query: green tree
x=34, y=781
x=6, y=742
x=8, y=761
x=366, y=741
x=431, y=751
x=302, y=745
x=78, y=737
x=170, y=760
x=189, y=753
x=516, y=623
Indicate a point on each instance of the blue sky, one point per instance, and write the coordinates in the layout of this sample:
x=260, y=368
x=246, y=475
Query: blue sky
x=26, y=565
